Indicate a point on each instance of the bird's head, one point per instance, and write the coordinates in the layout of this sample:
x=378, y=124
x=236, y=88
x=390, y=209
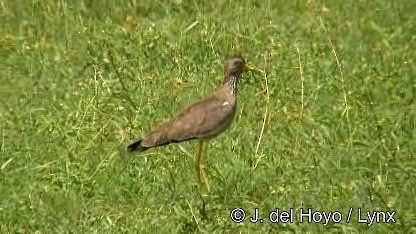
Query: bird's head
x=235, y=66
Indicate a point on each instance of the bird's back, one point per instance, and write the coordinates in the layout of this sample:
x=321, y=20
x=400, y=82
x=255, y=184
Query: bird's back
x=202, y=119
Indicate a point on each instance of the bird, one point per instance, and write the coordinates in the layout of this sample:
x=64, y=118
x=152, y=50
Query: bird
x=201, y=120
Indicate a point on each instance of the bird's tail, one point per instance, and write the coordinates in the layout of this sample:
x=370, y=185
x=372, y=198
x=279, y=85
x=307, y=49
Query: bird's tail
x=136, y=146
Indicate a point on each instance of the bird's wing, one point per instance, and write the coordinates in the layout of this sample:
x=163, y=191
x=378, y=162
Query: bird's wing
x=202, y=119
x=205, y=118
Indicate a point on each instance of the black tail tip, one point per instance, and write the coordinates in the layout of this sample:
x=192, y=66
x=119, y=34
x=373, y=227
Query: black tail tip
x=136, y=146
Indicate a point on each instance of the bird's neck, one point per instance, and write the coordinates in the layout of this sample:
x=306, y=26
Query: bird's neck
x=231, y=83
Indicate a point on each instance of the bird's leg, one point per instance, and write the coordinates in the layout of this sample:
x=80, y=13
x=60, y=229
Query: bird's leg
x=198, y=162
x=204, y=155
x=199, y=165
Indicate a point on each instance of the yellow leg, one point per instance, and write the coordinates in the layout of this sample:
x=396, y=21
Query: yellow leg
x=199, y=166
x=198, y=162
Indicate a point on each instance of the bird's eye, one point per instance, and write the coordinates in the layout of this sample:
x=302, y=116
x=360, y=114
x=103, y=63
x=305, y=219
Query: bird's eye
x=238, y=64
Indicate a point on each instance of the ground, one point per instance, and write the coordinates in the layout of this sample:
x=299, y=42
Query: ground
x=329, y=126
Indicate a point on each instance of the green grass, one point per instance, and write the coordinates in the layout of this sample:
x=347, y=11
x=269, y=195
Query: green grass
x=80, y=79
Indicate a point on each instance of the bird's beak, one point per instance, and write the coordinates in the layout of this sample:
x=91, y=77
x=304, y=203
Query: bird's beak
x=247, y=68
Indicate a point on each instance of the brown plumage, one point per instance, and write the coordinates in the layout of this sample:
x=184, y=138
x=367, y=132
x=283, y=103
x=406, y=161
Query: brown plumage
x=203, y=119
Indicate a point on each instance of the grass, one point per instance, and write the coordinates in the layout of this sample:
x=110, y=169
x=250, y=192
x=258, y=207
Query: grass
x=80, y=79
